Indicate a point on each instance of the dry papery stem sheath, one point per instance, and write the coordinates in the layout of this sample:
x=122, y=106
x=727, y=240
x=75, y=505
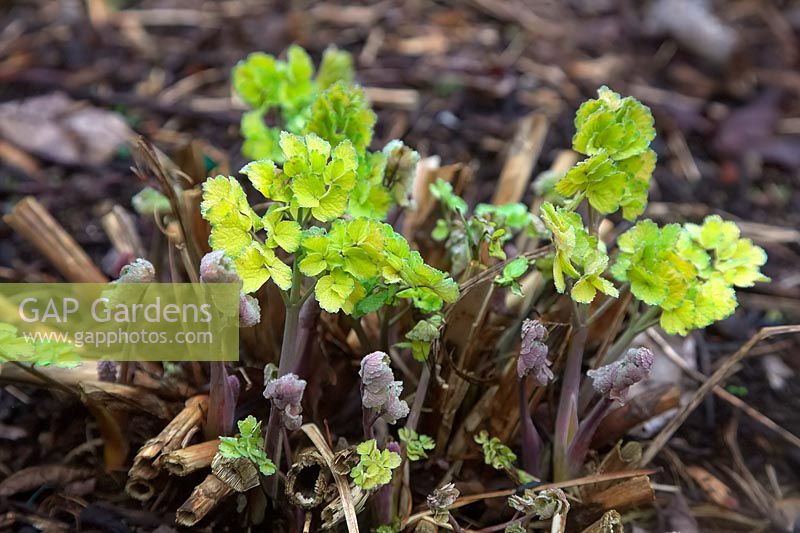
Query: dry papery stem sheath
x=205, y=497
x=190, y=459
x=172, y=437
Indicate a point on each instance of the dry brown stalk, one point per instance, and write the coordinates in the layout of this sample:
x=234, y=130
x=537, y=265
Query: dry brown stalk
x=628, y=494
x=345, y=508
x=522, y=155
x=619, y=459
x=171, y=438
x=31, y=220
x=190, y=459
x=722, y=393
x=203, y=499
x=719, y=375
x=239, y=473
x=120, y=227
x=127, y=399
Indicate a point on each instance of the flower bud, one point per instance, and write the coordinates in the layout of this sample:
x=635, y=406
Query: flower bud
x=286, y=393
x=379, y=389
x=614, y=380
x=443, y=497
x=249, y=311
x=216, y=267
x=138, y=271
x=533, y=353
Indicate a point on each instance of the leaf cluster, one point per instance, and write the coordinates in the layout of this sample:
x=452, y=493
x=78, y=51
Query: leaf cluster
x=14, y=347
x=689, y=271
x=416, y=444
x=329, y=106
x=615, y=133
x=578, y=255
x=249, y=445
x=375, y=466
x=495, y=453
x=354, y=261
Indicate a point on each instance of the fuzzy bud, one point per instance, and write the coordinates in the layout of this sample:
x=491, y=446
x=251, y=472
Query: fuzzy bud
x=216, y=267
x=533, y=353
x=379, y=389
x=443, y=497
x=107, y=371
x=614, y=380
x=138, y=271
x=286, y=393
x=401, y=167
x=249, y=311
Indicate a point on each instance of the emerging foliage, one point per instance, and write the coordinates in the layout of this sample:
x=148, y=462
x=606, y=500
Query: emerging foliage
x=375, y=466
x=579, y=255
x=689, y=272
x=416, y=444
x=490, y=226
x=249, y=444
x=14, y=347
x=495, y=453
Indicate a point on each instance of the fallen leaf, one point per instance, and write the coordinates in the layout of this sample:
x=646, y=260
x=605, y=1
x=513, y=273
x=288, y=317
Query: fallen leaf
x=60, y=129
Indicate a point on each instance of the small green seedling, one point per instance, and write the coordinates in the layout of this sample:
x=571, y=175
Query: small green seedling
x=490, y=226
x=249, y=445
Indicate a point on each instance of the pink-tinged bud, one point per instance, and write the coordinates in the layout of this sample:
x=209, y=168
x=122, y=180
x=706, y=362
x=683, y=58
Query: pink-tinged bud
x=379, y=389
x=107, y=371
x=394, y=447
x=614, y=380
x=249, y=311
x=216, y=267
x=533, y=353
x=286, y=393
x=376, y=377
x=395, y=408
x=138, y=271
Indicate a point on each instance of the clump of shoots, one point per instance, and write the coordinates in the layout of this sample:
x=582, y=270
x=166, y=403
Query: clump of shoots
x=685, y=274
x=249, y=445
x=375, y=466
x=416, y=444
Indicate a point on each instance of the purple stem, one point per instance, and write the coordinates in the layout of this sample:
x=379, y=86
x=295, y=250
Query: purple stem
x=531, y=441
x=567, y=416
x=583, y=437
x=221, y=401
